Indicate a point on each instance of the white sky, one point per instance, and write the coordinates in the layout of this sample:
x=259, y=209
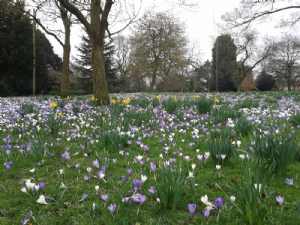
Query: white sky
x=199, y=22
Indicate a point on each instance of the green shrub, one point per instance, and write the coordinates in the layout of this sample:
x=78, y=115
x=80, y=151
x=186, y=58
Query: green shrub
x=204, y=105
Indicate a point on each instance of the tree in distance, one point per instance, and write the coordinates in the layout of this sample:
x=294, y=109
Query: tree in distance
x=264, y=82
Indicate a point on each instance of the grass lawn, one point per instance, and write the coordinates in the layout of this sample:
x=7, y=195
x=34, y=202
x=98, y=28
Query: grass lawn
x=222, y=158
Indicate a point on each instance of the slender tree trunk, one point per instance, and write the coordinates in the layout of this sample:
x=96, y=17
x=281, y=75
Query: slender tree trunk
x=64, y=81
x=166, y=83
x=153, y=77
x=289, y=76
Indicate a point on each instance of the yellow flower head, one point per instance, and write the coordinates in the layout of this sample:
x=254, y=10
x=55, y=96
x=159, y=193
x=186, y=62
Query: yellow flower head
x=53, y=104
x=68, y=97
x=59, y=114
x=126, y=101
x=158, y=96
x=217, y=100
x=114, y=101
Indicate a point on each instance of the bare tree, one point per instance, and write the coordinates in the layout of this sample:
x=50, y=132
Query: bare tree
x=251, y=11
x=248, y=55
x=122, y=51
x=285, y=59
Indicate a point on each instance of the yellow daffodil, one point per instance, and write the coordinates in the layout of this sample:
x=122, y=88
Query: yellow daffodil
x=158, y=96
x=126, y=101
x=59, y=114
x=217, y=100
x=114, y=101
x=68, y=97
x=53, y=105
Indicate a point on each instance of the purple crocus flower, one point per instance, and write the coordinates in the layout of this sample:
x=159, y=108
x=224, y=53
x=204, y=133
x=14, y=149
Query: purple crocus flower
x=217, y=156
x=206, y=212
x=219, y=202
x=41, y=185
x=129, y=171
x=8, y=167
x=142, y=198
x=112, y=207
x=83, y=197
x=137, y=183
x=279, y=199
x=124, y=179
x=86, y=178
x=114, y=160
x=192, y=208
x=10, y=163
x=96, y=163
x=289, y=181
x=104, y=197
x=7, y=152
x=151, y=190
x=77, y=165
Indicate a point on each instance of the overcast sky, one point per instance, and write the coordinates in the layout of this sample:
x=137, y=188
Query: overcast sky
x=199, y=21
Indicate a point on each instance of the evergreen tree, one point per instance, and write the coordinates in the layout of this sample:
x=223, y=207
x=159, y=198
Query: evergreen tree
x=264, y=82
x=16, y=56
x=226, y=50
x=84, y=66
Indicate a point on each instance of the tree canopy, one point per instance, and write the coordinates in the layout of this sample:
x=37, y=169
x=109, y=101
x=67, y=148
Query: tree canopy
x=16, y=51
x=224, y=61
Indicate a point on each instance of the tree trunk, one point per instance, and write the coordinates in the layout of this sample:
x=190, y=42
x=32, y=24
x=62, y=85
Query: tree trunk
x=153, y=78
x=98, y=71
x=64, y=81
x=289, y=76
x=166, y=83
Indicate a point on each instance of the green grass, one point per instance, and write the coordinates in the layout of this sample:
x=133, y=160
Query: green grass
x=82, y=136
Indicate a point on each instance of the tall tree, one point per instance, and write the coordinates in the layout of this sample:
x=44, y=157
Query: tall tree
x=16, y=53
x=248, y=55
x=223, y=64
x=159, y=40
x=84, y=65
x=285, y=59
x=122, y=51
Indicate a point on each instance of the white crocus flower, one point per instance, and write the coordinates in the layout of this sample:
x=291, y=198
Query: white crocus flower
x=223, y=156
x=101, y=176
x=161, y=156
x=190, y=175
x=139, y=157
x=158, y=200
x=32, y=170
x=94, y=206
x=62, y=185
x=42, y=200
x=238, y=143
x=204, y=199
x=218, y=167
x=30, y=186
x=242, y=156
x=24, y=190
x=259, y=187
x=143, y=178
x=121, y=152
x=61, y=171
x=37, y=187
x=232, y=198
x=193, y=166
x=97, y=188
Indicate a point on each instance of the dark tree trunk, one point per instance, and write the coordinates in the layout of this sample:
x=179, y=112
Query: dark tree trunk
x=64, y=81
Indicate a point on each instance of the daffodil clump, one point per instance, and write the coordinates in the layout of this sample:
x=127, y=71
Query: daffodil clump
x=126, y=101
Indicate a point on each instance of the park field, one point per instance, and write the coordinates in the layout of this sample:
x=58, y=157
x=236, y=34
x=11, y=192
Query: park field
x=169, y=158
